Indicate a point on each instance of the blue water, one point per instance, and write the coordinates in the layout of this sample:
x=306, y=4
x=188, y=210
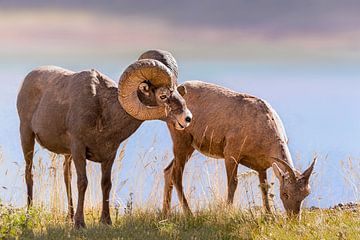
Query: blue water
x=317, y=101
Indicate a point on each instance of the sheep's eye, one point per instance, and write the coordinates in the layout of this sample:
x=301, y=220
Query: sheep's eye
x=285, y=195
x=163, y=97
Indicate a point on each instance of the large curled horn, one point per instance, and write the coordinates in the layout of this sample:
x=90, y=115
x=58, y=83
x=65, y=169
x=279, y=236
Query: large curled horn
x=288, y=168
x=147, y=69
x=163, y=56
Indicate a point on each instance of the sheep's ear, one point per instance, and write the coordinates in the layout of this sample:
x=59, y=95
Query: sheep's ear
x=144, y=88
x=278, y=172
x=182, y=90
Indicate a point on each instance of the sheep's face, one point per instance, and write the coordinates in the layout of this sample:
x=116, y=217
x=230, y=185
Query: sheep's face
x=294, y=188
x=177, y=111
x=293, y=193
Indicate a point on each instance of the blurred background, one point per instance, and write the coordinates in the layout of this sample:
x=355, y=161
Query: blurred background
x=301, y=56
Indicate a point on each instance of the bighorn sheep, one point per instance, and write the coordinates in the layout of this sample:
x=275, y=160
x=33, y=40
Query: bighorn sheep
x=85, y=115
x=241, y=129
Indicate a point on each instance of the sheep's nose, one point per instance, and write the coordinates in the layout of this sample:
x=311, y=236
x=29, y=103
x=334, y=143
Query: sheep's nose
x=188, y=119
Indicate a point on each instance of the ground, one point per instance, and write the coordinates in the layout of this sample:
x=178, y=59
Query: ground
x=213, y=223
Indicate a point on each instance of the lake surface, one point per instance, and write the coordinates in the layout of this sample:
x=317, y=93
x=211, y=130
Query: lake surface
x=317, y=102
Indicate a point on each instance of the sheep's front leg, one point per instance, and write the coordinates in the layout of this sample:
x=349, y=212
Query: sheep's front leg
x=106, y=187
x=181, y=157
x=232, y=180
x=264, y=190
x=78, y=153
x=176, y=177
x=168, y=187
x=174, y=172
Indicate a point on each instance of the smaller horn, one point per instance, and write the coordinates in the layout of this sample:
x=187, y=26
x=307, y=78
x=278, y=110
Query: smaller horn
x=289, y=169
x=307, y=172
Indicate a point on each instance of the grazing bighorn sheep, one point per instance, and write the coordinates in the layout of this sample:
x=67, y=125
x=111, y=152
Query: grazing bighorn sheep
x=85, y=115
x=242, y=129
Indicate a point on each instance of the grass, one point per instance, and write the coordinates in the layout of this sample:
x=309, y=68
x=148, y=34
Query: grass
x=212, y=223
x=135, y=206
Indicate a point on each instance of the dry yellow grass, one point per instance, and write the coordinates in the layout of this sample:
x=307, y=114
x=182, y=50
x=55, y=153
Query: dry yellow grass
x=136, y=205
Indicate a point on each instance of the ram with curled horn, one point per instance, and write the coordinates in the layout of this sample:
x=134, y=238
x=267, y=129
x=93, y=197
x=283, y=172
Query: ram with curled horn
x=241, y=129
x=85, y=116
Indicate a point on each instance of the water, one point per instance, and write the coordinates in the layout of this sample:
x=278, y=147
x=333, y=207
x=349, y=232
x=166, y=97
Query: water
x=318, y=103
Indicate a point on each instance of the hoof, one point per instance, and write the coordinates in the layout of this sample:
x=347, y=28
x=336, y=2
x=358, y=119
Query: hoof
x=70, y=217
x=165, y=210
x=188, y=213
x=79, y=224
x=106, y=220
x=165, y=213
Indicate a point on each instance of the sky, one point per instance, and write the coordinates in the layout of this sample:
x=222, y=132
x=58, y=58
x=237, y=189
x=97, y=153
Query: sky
x=266, y=17
x=252, y=30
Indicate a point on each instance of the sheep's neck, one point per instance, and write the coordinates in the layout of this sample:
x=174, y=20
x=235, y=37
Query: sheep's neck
x=115, y=117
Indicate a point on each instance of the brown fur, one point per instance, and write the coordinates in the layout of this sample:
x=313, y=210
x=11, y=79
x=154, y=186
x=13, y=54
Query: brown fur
x=241, y=129
x=79, y=115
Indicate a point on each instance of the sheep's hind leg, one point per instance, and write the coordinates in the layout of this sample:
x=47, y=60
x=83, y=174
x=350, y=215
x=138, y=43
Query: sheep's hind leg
x=27, y=143
x=67, y=179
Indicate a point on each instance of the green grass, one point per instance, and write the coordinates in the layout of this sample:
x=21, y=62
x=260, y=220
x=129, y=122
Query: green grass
x=214, y=223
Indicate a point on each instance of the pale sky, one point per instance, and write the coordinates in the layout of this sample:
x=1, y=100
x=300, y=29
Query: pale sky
x=244, y=30
x=267, y=16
